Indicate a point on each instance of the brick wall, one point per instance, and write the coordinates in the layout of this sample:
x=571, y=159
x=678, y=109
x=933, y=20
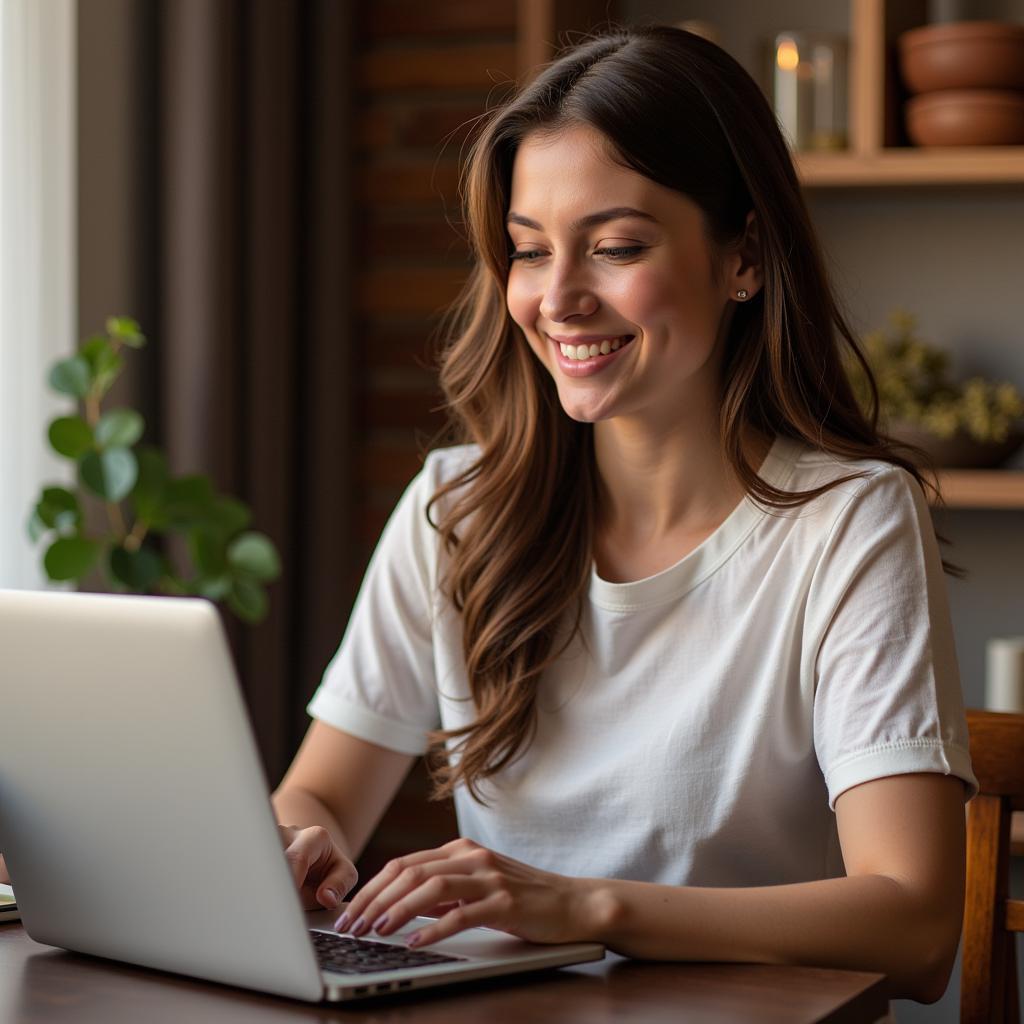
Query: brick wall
x=422, y=72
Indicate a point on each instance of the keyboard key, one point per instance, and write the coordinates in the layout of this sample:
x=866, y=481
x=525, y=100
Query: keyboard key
x=347, y=955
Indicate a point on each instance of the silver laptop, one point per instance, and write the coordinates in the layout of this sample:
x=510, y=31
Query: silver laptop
x=136, y=822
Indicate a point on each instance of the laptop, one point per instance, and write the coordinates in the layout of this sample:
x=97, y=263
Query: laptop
x=135, y=817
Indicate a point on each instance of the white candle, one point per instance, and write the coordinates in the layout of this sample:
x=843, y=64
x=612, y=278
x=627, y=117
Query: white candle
x=1004, y=674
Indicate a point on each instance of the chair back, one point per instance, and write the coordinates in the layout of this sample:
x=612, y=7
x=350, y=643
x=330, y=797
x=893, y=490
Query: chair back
x=988, y=978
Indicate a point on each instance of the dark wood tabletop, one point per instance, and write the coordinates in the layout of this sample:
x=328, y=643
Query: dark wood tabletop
x=41, y=985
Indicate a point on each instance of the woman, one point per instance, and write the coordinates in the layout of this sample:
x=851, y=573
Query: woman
x=672, y=621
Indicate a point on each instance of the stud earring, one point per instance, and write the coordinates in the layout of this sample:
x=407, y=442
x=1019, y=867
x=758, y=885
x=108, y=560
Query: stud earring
x=742, y=293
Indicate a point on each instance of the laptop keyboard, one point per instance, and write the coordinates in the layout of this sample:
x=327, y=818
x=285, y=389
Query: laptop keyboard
x=346, y=955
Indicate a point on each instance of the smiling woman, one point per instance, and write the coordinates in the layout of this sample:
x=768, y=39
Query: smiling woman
x=671, y=621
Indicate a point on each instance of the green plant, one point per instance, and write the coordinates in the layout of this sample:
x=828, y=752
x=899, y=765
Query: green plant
x=915, y=386
x=143, y=502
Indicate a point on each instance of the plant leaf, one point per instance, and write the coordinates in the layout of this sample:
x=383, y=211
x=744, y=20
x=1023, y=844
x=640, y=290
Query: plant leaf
x=70, y=436
x=137, y=570
x=55, y=507
x=70, y=558
x=35, y=526
x=229, y=515
x=104, y=363
x=248, y=600
x=110, y=474
x=93, y=348
x=187, y=501
x=148, y=493
x=214, y=588
x=254, y=554
x=126, y=330
x=70, y=377
x=119, y=428
x=110, y=366
x=208, y=551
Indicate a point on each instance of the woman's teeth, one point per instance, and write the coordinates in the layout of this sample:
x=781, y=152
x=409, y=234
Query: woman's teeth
x=589, y=351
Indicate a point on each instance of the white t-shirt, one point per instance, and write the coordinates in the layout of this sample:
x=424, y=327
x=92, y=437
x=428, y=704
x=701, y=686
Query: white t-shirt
x=701, y=729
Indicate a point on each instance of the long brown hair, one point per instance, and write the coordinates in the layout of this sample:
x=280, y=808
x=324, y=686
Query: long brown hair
x=518, y=526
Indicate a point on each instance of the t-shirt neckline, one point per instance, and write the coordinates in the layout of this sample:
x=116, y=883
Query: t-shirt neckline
x=713, y=552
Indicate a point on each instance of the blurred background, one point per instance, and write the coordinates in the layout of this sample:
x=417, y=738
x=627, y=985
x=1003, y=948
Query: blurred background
x=270, y=187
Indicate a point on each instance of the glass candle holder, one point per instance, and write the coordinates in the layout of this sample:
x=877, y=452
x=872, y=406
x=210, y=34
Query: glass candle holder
x=809, y=71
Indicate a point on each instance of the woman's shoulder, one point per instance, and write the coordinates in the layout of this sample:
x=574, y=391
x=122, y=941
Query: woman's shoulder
x=443, y=465
x=849, y=481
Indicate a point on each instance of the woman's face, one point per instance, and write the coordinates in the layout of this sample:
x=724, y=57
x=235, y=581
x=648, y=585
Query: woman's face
x=608, y=259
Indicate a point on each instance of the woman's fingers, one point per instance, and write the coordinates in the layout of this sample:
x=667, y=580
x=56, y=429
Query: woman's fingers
x=368, y=909
x=321, y=872
x=454, y=889
x=355, y=910
x=469, y=886
x=4, y=876
x=336, y=883
x=400, y=877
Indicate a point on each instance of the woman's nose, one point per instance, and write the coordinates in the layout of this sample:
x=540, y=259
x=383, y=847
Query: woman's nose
x=566, y=294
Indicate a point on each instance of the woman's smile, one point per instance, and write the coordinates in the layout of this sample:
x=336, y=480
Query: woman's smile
x=583, y=355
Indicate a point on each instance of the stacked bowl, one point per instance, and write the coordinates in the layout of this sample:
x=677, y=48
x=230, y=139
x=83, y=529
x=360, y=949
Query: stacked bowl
x=967, y=83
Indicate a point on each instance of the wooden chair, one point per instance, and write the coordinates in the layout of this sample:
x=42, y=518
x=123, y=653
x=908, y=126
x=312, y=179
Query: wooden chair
x=988, y=977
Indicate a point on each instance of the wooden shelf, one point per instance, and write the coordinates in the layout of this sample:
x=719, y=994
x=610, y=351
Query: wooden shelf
x=874, y=159
x=978, y=165
x=983, y=488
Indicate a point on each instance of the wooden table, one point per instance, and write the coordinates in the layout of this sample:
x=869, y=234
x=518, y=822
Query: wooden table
x=40, y=985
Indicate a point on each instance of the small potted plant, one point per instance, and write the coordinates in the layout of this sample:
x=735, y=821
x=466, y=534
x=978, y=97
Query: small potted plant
x=974, y=424
x=143, y=504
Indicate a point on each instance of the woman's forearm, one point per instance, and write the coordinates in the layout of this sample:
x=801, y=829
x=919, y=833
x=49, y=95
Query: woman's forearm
x=295, y=806
x=865, y=922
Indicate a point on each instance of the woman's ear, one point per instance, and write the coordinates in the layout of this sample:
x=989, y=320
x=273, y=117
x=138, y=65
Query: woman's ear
x=748, y=274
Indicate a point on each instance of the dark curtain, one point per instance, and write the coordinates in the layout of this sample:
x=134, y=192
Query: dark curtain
x=250, y=265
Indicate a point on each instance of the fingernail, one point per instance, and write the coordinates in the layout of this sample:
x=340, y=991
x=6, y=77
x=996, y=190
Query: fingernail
x=333, y=897
x=380, y=923
x=342, y=923
x=359, y=927
x=414, y=939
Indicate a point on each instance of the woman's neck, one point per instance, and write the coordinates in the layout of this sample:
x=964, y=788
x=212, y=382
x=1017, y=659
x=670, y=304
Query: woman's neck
x=661, y=493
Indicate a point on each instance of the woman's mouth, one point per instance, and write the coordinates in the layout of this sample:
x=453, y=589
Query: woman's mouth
x=592, y=349
x=580, y=359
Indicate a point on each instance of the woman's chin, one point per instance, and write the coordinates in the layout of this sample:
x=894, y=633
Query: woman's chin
x=586, y=413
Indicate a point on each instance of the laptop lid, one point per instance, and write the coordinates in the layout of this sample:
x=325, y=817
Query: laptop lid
x=134, y=815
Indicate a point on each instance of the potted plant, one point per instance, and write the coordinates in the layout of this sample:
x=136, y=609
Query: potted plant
x=972, y=424
x=143, y=504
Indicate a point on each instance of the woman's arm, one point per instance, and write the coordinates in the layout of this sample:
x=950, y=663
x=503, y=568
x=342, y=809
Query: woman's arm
x=341, y=783
x=898, y=911
x=327, y=806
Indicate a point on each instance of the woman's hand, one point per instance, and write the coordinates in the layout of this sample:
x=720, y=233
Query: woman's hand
x=322, y=873
x=4, y=875
x=466, y=885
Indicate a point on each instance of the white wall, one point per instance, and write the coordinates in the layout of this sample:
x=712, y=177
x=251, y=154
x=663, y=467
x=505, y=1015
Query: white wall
x=37, y=258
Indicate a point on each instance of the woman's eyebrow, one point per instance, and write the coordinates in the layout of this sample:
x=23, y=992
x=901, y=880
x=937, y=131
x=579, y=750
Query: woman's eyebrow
x=589, y=221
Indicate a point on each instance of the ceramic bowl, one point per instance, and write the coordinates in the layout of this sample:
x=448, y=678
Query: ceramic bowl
x=963, y=55
x=959, y=451
x=966, y=117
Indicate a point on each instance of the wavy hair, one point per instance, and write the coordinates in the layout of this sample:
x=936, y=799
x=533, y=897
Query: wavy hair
x=519, y=523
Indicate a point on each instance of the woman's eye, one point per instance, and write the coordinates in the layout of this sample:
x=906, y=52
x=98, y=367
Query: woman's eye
x=619, y=252
x=614, y=252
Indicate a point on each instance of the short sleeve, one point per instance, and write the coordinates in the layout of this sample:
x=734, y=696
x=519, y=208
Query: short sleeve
x=380, y=685
x=887, y=695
